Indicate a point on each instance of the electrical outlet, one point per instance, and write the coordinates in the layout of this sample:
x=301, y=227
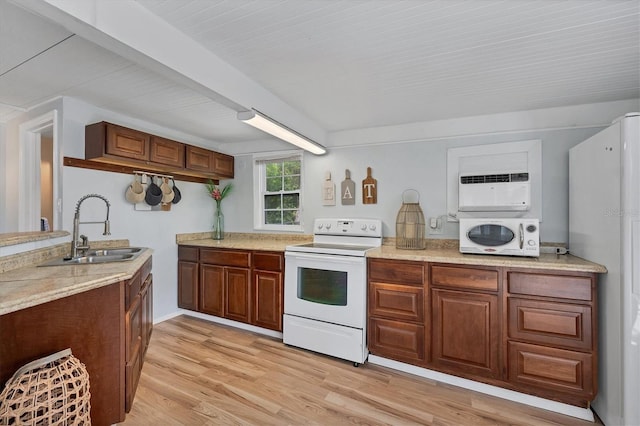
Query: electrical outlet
x=435, y=225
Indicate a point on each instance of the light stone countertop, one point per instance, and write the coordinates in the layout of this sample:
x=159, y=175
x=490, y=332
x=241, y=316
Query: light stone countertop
x=244, y=241
x=14, y=238
x=32, y=285
x=441, y=251
x=563, y=262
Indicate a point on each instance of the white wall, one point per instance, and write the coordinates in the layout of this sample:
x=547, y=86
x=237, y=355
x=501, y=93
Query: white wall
x=418, y=165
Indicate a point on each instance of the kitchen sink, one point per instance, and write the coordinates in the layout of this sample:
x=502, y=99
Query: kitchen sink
x=120, y=254
x=114, y=251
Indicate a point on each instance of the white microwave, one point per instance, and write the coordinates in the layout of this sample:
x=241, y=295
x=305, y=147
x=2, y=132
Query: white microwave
x=510, y=237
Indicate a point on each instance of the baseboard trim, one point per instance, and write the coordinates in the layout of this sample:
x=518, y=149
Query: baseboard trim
x=231, y=323
x=533, y=401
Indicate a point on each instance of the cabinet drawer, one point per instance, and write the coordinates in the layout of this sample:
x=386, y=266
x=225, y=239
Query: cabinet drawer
x=551, y=368
x=396, y=271
x=226, y=257
x=189, y=254
x=396, y=301
x=268, y=261
x=559, y=286
x=469, y=278
x=549, y=323
x=397, y=340
x=131, y=289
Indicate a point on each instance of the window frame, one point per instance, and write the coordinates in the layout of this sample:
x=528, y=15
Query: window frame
x=259, y=190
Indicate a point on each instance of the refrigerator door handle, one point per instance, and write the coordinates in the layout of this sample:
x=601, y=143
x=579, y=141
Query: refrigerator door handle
x=635, y=251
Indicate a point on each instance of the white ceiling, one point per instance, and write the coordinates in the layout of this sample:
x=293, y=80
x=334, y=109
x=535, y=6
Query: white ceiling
x=343, y=64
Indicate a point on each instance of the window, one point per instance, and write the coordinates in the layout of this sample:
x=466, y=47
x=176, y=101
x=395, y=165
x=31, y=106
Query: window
x=278, y=191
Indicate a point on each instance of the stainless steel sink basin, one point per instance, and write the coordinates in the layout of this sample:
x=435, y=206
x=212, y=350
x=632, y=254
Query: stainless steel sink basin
x=120, y=254
x=114, y=251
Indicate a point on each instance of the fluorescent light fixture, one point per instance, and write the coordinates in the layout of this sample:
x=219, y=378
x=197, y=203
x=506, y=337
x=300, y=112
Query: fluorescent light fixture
x=280, y=131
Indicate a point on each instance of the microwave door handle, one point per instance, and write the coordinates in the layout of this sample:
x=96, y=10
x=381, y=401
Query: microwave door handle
x=521, y=232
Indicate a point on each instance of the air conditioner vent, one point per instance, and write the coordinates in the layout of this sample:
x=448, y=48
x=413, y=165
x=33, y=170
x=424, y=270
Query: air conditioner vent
x=502, y=177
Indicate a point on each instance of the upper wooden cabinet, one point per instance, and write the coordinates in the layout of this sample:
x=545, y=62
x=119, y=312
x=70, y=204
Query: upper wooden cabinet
x=166, y=151
x=209, y=161
x=120, y=146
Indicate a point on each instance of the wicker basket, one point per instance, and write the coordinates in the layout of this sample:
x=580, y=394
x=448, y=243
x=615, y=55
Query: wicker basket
x=49, y=391
x=410, y=225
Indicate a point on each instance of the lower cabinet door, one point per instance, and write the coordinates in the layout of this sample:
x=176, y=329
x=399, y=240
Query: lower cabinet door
x=267, y=299
x=466, y=332
x=238, y=294
x=211, y=297
x=552, y=369
x=132, y=377
x=133, y=348
x=188, y=285
x=397, y=340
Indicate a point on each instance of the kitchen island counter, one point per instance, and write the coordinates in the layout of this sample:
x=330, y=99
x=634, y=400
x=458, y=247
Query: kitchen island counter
x=32, y=285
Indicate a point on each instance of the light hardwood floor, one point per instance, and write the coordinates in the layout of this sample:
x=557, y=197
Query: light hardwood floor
x=202, y=373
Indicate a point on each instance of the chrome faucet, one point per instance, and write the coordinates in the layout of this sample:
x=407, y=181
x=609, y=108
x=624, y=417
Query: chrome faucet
x=83, y=246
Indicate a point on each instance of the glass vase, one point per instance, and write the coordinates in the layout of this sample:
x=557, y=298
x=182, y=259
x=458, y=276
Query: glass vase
x=218, y=223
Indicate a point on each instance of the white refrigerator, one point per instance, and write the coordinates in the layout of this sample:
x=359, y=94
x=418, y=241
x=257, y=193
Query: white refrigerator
x=604, y=227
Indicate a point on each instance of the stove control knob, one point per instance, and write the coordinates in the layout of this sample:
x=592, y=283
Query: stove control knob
x=328, y=226
x=320, y=226
x=363, y=227
x=372, y=227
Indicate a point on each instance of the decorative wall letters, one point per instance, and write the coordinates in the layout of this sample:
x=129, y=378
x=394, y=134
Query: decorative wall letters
x=328, y=191
x=369, y=189
x=348, y=190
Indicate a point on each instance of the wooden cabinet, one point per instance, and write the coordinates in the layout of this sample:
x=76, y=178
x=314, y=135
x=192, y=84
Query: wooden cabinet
x=211, y=290
x=239, y=285
x=465, y=320
x=120, y=146
x=225, y=283
x=238, y=294
x=91, y=324
x=466, y=332
x=146, y=298
x=203, y=160
x=188, y=278
x=528, y=330
x=268, y=295
x=552, y=347
x=166, y=151
x=396, y=326
x=138, y=322
x=127, y=143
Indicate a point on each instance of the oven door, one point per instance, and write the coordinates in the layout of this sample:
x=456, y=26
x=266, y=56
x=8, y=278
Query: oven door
x=324, y=287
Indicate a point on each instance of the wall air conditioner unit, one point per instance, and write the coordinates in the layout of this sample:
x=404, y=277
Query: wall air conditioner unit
x=494, y=192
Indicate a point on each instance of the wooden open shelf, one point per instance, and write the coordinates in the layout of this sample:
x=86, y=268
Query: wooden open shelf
x=126, y=169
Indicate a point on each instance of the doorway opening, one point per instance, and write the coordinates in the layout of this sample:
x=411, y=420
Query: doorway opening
x=39, y=194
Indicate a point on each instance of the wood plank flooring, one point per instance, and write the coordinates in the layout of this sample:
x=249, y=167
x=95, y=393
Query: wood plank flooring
x=201, y=373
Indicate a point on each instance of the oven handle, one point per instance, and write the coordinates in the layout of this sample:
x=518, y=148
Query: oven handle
x=325, y=257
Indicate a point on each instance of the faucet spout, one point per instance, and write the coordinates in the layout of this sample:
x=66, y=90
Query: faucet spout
x=77, y=246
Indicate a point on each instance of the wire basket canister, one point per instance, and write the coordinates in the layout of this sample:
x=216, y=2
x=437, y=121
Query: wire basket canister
x=410, y=225
x=49, y=391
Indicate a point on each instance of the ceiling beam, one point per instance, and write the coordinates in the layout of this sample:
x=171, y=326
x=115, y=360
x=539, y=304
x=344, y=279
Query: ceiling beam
x=128, y=29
